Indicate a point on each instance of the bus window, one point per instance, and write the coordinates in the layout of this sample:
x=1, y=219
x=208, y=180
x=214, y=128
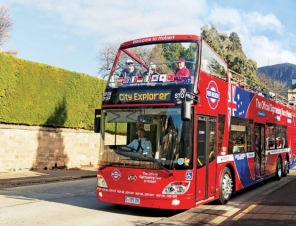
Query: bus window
x=211, y=63
x=159, y=57
x=280, y=140
x=169, y=140
x=221, y=125
x=212, y=140
x=240, y=137
x=270, y=136
x=206, y=147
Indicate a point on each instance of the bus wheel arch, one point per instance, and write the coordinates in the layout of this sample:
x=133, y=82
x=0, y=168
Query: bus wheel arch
x=225, y=185
x=232, y=170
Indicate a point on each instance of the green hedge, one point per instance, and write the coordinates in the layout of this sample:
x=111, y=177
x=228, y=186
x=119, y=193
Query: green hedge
x=38, y=94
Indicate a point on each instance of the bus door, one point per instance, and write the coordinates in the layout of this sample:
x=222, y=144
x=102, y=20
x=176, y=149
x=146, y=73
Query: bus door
x=206, y=156
x=260, y=157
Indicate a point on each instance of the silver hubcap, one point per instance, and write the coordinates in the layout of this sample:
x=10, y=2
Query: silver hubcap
x=279, y=169
x=226, y=185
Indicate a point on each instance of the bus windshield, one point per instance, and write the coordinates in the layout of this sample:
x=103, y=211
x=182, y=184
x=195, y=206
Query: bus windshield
x=155, y=64
x=146, y=138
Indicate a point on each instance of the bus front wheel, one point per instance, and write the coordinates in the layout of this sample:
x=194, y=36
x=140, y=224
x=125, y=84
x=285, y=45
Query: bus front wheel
x=226, y=185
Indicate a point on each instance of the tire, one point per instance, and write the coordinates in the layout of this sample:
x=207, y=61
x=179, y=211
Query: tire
x=226, y=186
x=286, y=168
x=279, y=170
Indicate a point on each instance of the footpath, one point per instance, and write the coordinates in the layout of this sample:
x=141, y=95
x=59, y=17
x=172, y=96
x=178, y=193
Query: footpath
x=272, y=203
x=8, y=179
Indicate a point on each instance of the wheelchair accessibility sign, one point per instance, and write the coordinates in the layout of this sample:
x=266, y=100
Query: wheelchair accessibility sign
x=189, y=175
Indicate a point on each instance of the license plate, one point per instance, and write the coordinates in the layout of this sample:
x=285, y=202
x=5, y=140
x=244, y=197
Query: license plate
x=133, y=200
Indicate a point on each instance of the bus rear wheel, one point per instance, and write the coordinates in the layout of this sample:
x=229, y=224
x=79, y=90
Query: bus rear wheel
x=226, y=185
x=279, y=170
x=286, y=167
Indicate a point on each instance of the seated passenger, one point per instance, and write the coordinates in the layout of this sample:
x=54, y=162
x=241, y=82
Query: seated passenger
x=272, y=95
x=241, y=83
x=265, y=93
x=130, y=70
x=182, y=72
x=254, y=89
x=151, y=70
x=204, y=65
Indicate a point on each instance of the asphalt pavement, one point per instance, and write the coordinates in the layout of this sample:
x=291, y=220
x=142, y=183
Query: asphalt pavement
x=276, y=205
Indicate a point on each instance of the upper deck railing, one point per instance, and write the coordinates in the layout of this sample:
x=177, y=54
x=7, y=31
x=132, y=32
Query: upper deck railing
x=248, y=84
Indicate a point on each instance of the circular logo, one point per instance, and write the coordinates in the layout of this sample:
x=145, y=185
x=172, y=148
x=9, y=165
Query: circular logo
x=213, y=94
x=132, y=178
x=115, y=174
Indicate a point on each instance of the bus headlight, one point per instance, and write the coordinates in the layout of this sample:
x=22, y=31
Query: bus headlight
x=179, y=187
x=101, y=181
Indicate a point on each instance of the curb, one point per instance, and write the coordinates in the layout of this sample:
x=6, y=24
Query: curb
x=18, y=182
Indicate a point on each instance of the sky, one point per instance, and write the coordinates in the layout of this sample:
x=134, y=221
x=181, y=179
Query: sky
x=70, y=34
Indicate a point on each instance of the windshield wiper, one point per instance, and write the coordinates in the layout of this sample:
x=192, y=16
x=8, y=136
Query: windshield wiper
x=161, y=166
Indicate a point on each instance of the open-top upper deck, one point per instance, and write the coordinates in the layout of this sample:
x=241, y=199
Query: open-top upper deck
x=160, y=69
x=148, y=70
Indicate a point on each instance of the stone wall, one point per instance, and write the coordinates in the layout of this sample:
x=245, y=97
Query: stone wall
x=34, y=147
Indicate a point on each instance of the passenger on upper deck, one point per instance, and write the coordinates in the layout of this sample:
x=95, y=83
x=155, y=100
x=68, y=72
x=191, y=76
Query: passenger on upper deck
x=272, y=96
x=204, y=65
x=265, y=93
x=151, y=70
x=254, y=89
x=182, y=72
x=130, y=70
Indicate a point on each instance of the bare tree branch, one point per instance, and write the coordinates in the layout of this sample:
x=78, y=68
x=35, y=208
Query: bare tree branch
x=5, y=24
x=11, y=52
x=272, y=85
x=106, y=58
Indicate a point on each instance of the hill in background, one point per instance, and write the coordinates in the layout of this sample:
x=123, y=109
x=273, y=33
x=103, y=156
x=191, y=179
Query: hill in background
x=280, y=72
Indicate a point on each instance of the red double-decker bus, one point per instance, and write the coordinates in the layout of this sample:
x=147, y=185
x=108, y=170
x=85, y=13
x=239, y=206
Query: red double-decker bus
x=205, y=134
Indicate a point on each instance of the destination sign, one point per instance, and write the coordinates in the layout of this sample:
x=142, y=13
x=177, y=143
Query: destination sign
x=145, y=96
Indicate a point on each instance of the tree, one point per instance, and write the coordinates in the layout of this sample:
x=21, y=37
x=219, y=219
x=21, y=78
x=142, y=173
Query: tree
x=273, y=85
x=106, y=59
x=5, y=24
x=108, y=53
x=235, y=41
x=157, y=56
x=230, y=49
x=172, y=52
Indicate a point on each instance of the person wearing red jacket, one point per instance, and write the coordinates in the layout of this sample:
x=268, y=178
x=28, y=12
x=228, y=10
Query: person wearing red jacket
x=182, y=72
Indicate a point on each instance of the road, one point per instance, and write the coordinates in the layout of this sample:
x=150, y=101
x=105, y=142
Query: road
x=68, y=203
x=75, y=203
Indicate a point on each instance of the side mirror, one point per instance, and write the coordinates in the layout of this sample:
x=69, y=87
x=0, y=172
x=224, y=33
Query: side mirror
x=97, y=123
x=186, y=111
